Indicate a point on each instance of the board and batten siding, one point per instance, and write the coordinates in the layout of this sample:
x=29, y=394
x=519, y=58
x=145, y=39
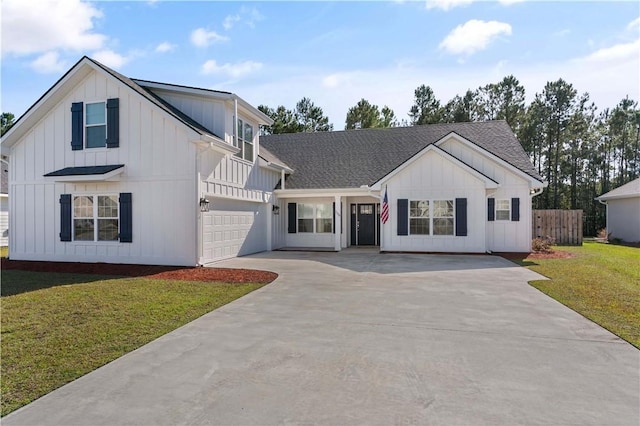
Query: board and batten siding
x=4, y=221
x=433, y=177
x=208, y=112
x=502, y=236
x=231, y=177
x=159, y=172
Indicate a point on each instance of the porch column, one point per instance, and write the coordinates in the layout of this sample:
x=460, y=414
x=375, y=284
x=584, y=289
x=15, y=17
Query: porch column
x=337, y=242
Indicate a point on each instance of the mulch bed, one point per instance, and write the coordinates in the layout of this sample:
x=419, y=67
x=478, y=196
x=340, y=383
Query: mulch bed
x=228, y=275
x=551, y=255
x=538, y=255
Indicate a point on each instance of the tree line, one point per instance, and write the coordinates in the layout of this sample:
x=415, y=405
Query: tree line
x=580, y=150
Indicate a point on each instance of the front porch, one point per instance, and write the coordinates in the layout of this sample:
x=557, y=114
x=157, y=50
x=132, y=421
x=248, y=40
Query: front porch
x=325, y=221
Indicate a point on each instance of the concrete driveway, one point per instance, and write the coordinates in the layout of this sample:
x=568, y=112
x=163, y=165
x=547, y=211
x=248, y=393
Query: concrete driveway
x=364, y=338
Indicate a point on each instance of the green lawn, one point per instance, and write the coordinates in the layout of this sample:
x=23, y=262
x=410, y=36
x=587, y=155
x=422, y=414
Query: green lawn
x=58, y=327
x=602, y=282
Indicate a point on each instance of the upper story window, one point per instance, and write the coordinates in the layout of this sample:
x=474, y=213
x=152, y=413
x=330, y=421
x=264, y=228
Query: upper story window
x=245, y=140
x=96, y=125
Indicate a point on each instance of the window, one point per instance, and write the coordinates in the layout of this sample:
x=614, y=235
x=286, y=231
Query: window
x=305, y=217
x=443, y=217
x=245, y=140
x=431, y=217
x=503, y=210
x=96, y=125
x=316, y=218
x=95, y=218
x=419, y=217
x=324, y=218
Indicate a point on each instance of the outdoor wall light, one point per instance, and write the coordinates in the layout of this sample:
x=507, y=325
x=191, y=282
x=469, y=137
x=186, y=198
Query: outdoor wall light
x=275, y=209
x=204, y=205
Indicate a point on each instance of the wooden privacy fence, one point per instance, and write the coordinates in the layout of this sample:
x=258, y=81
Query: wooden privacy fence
x=564, y=226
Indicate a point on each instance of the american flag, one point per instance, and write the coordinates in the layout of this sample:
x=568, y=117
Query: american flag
x=384, y=215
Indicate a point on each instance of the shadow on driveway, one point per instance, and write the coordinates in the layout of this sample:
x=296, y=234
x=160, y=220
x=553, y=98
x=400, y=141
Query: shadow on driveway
x=371, y=260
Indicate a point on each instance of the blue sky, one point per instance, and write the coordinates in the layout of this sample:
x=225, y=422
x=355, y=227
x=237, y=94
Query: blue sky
x=332, y=52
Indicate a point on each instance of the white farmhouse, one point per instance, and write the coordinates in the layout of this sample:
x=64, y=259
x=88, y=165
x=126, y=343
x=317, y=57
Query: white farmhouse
x=105, y=168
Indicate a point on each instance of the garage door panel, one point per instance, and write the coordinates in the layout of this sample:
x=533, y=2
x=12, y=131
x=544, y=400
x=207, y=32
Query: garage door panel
x=233, y=229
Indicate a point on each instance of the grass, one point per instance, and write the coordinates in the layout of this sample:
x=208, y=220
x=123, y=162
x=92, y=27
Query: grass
x=58, y=327
x=602, y=282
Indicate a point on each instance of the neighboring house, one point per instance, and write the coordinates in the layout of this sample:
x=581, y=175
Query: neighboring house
x=110, y=169
x=4, y=201
x=623, y=211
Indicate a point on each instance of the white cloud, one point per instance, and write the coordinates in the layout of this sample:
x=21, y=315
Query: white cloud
x=247, y=16
x=251, y=16
x=165, y=47
x=49, y=63
x=236, y=70
x=473, y=35
x=447, y=4
x=49, y=25
x=230, y=21
x=634, y=25
x=203, y=38
x=110, y=58
x=620, y=52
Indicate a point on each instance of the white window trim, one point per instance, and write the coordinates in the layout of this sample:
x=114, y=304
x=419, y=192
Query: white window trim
x=85, y=125
x=240, y=140
x=496, y=210
x=95, y=218
x=431, y=202
x=313, y=218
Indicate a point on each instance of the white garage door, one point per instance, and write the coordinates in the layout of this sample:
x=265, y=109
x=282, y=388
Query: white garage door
x=233, y=228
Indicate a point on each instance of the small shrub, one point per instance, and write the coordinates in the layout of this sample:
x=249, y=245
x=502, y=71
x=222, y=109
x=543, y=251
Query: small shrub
x=602, y=234
x=542, y=244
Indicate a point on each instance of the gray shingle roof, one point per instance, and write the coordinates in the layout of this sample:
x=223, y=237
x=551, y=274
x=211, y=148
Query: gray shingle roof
x=352, y=158
x=271, y=158
x=628, y=190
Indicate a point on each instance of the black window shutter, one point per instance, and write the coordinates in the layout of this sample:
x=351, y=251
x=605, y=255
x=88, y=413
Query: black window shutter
x=65, y=217
x=126, y=218
x=334, y=218
x=77, y=126
x=403, y=217
x=113, y=123
x=491, y=209
x=293, y=217
x=515, y=209
x=461, y=217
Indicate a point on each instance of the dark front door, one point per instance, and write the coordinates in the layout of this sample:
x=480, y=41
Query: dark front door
x=366, y=224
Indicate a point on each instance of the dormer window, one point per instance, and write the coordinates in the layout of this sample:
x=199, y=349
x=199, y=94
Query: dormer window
x=96, y=125
x=245, y=140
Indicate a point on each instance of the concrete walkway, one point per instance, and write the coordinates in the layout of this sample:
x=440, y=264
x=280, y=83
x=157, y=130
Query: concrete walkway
x=364, y=338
